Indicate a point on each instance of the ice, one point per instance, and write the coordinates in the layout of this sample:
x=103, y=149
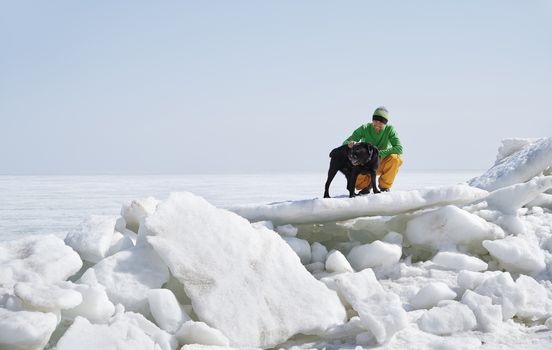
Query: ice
x=377, y=253
x=318, y=252
x=459, y=261
x=502, y=289
x=129, y=275
x=517, y=254
x=519, y=167
x=336, y=262
x=162, y=339
x=354, y=287
x=538, y=305
x=120, y=242
x=488, y=315
x=393, y=238
x=42, y=297
x=248, y=276
x=301, y=247
x=193, y=332
x=93, y=238
x=382, y=314
x=431, y=295
x=122, y=333
x=37, y=258
x=509, y=199
x=511, y=146
x=337, y=209
x=166, y=310
x=287, y=230
x=136, y=210
x=449, y=227
x=205, y=278
x=471, y=280
x=452, y=317
x=542, y=200
x=95, y=305
x=25, y=330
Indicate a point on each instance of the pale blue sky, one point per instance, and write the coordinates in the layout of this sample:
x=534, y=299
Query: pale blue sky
x=161, y=87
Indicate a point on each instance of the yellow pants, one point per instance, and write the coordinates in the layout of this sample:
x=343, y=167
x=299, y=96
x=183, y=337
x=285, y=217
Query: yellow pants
x=387, y=170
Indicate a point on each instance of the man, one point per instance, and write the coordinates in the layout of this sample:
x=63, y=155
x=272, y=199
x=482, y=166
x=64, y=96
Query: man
x=385, y=138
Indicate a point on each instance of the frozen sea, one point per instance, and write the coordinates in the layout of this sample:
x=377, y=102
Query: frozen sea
x=32, y=205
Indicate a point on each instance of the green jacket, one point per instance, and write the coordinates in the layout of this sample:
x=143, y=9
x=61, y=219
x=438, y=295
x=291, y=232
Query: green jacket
x=387, y=141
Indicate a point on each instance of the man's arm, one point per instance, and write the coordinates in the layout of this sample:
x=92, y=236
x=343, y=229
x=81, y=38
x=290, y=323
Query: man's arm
x=357, y=135
x=396, y=147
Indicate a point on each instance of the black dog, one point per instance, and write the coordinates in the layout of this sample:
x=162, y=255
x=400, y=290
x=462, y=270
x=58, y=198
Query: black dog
x=362, y=158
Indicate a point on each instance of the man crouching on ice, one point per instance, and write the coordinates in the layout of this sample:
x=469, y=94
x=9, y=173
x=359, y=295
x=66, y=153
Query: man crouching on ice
x=386, y=140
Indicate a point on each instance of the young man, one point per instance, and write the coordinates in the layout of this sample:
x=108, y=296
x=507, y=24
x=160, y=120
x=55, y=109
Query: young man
x=385, y=138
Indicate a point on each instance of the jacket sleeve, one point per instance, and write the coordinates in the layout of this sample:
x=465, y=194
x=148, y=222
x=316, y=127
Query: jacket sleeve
x=396, y=147
x=357, y=135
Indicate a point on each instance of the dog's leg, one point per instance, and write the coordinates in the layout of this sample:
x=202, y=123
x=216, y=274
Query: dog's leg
x=351, y=181
x=373, y=182
x=331, y=174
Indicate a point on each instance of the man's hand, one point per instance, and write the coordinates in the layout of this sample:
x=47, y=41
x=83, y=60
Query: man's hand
x=351, y=143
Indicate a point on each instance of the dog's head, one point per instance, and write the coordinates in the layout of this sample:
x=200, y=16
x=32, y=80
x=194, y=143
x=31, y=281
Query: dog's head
x=360, y=153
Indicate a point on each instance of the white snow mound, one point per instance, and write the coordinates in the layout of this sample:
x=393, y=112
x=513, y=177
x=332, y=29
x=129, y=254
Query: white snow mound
x=452, y=317
x=248, y=276
x=449, y=227
x=337, y=209
x=377, y=253
x=518, y=167
x=517, y=254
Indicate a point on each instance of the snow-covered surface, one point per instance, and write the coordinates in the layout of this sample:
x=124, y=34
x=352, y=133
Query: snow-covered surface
x=337, y=209
x=235, y=273
x=518, y=167
x=92, y=238
x=453, y=267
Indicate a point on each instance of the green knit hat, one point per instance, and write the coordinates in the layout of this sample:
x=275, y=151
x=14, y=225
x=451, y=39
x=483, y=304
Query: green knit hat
x=381, y=114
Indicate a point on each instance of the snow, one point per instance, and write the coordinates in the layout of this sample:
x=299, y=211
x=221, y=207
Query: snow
x=453, y=267
x=280, y=299
x=42, y=297
x=301, y=247
x=193, y=332
x=502, y=289
x=354, y=287
x=538, y=302
x=488, y=315
x=93, y=237
x=124, y=332
x=509, y=199
x=382, y=314
x=517, y=254
x=22, y=330
x=452, y=317
x=287, y=230
x=337, y=209
x=129, y=275
x=166, y=310
x=459, y=261
x=37, y=258
x=450, y=227
x=511, y=146
x=136, y=210
x=318, y=252
x=518, y=167
x=336, y=262
x=431, y=295
x=374, y=254
x=95, y=305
